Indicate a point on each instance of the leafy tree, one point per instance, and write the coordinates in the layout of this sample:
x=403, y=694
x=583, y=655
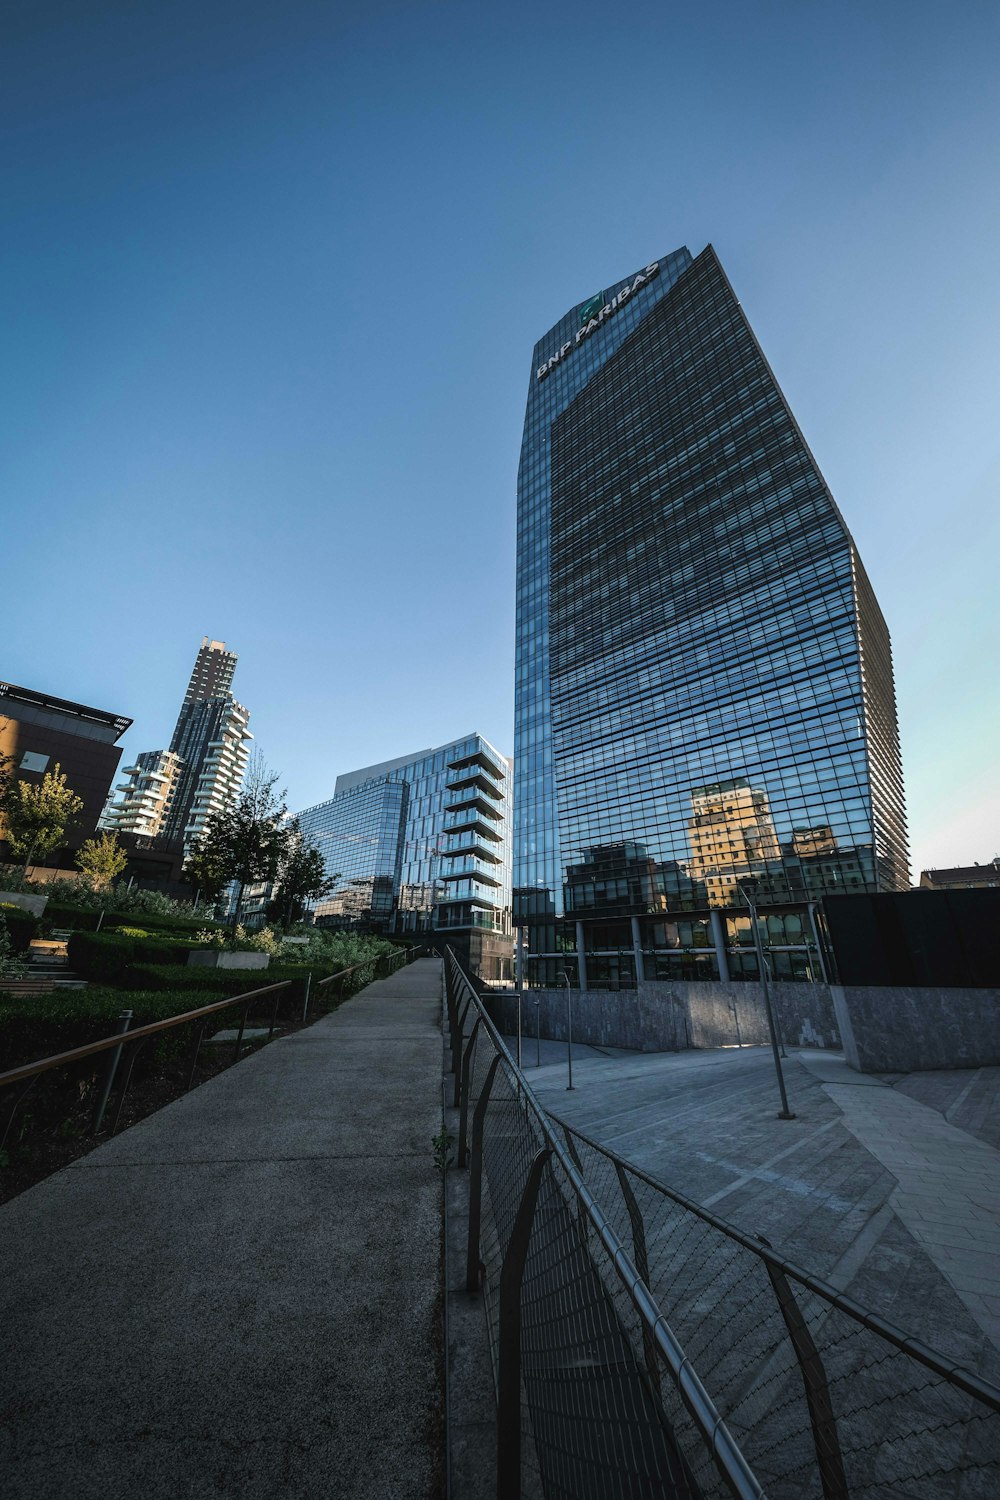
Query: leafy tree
x=102, y=859
x=302, y=878
x=205, y=869
x=38, y=813
x=249, y=840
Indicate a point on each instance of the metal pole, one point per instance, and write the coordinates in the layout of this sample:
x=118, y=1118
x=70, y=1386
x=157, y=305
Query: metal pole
x=538, y=1032
x=519, y=998
x=305, y=1001
x=509, y=1337
x=569, y=1034
x=124, y=1021
x=784, y=1112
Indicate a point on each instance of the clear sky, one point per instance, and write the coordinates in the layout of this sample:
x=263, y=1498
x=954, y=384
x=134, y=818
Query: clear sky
x=271, y=275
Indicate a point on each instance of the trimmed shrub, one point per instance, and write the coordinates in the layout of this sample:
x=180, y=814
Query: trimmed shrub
x=106, y=955
x=37, y=1026
x=21, y=926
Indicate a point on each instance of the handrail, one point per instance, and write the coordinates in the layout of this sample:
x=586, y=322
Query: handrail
x=720, y=1441
x=955, y=1374
x=29, y=1070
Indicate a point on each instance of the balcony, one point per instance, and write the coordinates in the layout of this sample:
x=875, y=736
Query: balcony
x=471, y=890
x=459, y=845
x=476, y=780
x=473, y=821
x=475, y=801
x=479, y=758
x=466, y=865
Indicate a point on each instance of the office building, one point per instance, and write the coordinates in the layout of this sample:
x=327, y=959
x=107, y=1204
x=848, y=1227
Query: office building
x=421, y=845
x=962, y=877
x=39, y=732
x=704, y=699
x=171, y=793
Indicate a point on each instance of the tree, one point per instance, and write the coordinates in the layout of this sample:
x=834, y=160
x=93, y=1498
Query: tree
x=102, y=859
x=205, y=869
x=249, y=840
x=38, y=813
x=302, y=878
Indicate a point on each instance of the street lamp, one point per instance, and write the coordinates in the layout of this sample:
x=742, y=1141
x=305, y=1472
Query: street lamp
x=569, y=1032
x=784, y=1113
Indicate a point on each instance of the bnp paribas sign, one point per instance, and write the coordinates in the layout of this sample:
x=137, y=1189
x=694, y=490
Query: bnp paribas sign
x=595, y=313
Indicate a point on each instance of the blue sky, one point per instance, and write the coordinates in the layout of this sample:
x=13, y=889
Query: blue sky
x=271, y=277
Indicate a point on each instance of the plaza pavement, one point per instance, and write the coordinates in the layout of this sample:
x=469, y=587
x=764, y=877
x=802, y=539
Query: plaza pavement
x=889, y=1187
x=240, y=1295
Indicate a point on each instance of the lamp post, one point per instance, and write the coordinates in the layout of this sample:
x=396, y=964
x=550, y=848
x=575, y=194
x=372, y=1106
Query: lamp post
x=569, y=1032
x=784, y=1113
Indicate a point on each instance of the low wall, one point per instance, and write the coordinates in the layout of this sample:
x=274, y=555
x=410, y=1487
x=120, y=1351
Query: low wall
x=34, y=904
x=218, y=958
x=663, y=1016
x=910, y=1030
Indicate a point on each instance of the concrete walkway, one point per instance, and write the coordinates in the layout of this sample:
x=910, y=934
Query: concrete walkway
x=240, y=1295
x=869, y=1186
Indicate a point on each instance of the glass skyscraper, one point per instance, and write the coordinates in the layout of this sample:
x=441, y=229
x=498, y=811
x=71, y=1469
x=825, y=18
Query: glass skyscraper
x=421, y=844
x=704, y=702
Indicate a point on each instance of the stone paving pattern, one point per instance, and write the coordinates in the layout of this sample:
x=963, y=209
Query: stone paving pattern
x=240, y=1295
x=887, y=1187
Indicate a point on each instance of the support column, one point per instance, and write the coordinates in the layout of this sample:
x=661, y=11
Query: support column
x=814, y=928
x=719, y=939
x=581, y=956
x=640, y=968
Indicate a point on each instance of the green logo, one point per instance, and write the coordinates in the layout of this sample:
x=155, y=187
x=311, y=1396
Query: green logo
x=589, y=309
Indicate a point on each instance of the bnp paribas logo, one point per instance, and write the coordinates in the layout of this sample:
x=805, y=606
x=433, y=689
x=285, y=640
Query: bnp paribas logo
x=593, y=314
x=588, y=309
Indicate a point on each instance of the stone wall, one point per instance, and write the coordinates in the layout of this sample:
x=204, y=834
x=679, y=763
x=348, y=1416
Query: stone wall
x=906, y=1030
x=663, y=1016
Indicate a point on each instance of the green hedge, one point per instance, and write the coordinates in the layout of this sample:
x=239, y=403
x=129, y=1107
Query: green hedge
x=76, y=920
x=37, y=1026
x=107, y=955
x=21, y=926
x=225, y=981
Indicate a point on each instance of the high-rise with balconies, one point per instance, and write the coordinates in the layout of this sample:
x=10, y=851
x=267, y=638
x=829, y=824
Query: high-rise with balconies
x=704, y=700
x=171, y=793
x=421, y=844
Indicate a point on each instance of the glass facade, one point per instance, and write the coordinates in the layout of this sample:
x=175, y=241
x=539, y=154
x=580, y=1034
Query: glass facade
x=421, y=844
x=704, y=702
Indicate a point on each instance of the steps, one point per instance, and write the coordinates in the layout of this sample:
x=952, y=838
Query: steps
x=47, y=969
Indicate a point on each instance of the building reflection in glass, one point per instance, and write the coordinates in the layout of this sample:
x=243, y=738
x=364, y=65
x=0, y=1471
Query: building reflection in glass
x=704, y=692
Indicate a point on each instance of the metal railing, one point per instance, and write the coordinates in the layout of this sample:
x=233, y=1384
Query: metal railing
x=643, y=1346
x=824, y=1396
x=595, y=1395
x=135, y=1040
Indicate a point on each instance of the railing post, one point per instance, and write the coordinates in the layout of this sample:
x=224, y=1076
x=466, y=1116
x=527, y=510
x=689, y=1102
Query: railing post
x=456, y=1051
x=824, y=1424
x=305, y=999
x=239, y=1034
x=641, y=1258
x=194, y=1060
x=476, y=1180
x=509, y=1337
x=124, y=1022
x=463, y=1119
x=274, y=1014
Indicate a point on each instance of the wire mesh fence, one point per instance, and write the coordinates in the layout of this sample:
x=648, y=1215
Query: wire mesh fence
x=644, y=1347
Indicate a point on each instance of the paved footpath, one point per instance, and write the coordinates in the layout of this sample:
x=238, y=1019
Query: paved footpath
x=240, y=1295
x=888, y=1187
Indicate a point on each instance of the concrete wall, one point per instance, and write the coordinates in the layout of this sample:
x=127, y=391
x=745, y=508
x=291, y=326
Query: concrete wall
x=906, y=1030
x=881, y=1030
x=216, y=958
x=669, y=1017
x=34, y=904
